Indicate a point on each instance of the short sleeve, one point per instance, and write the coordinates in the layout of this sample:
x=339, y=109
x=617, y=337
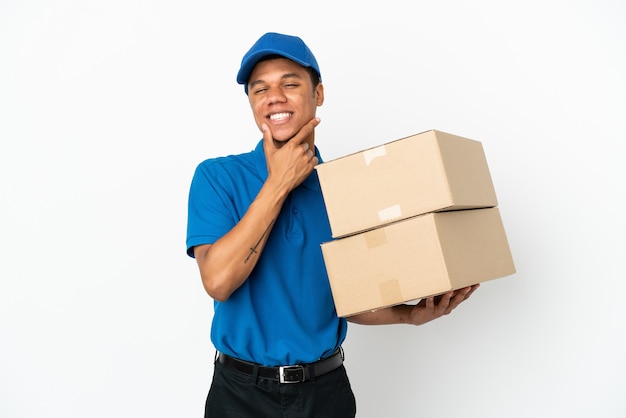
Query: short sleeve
x=209, y=215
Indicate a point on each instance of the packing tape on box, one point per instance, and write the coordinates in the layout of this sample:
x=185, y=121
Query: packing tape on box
x=370, y=154
x=390, y=292
x=390, y=213
x=375, y=238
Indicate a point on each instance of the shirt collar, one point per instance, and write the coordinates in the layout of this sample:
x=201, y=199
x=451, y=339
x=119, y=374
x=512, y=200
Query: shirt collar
x=311, y=182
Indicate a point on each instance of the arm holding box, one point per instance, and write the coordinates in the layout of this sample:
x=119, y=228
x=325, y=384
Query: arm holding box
x=425, y=311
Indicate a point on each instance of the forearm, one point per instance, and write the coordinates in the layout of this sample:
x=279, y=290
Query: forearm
x=226, y=264
x=399, y=314
x=425, y=311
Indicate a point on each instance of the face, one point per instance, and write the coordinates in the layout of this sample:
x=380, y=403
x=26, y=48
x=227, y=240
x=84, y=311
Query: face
x=281, y=95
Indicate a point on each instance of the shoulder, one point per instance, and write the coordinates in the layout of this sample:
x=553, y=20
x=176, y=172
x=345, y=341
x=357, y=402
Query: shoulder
x=225, y=165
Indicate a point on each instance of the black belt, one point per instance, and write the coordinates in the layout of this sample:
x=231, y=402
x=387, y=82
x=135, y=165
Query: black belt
x=285, y=374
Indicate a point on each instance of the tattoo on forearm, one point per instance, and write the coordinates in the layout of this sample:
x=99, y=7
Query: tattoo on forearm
x=253, y=250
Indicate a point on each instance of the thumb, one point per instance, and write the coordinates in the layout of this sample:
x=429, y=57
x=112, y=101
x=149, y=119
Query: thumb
x=268, y=139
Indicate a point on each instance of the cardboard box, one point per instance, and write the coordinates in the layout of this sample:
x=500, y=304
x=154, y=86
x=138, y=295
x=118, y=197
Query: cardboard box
x=428, y=172
x=418, y=257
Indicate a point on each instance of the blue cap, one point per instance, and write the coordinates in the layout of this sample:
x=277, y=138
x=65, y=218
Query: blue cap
x=272, y=43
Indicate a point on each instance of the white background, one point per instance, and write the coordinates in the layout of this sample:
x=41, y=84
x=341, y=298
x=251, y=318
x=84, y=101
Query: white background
x=107, y=107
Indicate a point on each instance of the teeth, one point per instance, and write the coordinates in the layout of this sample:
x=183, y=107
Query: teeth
x=279, y=116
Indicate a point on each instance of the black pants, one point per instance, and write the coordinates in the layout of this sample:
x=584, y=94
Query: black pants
x=237, y=395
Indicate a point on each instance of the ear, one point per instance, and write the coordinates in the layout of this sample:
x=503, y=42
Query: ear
x=319, y=93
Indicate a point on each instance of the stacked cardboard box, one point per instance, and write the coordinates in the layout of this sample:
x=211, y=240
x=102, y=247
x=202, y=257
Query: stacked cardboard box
x=412, y=218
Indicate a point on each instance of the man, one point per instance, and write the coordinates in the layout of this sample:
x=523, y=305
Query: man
x=256, y=222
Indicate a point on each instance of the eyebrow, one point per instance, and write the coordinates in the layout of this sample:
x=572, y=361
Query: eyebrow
x=283, y=77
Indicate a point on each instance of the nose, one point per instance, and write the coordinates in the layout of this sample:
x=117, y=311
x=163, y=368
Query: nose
x=276, y=95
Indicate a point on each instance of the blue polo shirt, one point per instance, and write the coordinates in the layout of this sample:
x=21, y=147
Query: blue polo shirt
x=284, y=312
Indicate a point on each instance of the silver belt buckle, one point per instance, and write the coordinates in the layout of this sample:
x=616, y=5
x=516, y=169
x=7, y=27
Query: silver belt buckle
x=291, y=374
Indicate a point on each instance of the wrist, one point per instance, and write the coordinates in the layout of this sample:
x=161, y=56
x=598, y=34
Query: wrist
x=401, y=314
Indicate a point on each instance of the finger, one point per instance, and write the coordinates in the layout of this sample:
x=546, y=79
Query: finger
x=314, y=160
x=305, y=131
x=472, y=289
x=268, y=139
x=309, y=154
x=460, y=296
x=307, y=151
x=444, y=303
x=464, y=293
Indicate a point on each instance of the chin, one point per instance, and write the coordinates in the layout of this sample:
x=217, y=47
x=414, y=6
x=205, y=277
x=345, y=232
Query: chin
x=278, y=143
x=283, y=139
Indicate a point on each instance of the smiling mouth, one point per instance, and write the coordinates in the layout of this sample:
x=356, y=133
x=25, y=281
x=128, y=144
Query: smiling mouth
x=280, y=116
